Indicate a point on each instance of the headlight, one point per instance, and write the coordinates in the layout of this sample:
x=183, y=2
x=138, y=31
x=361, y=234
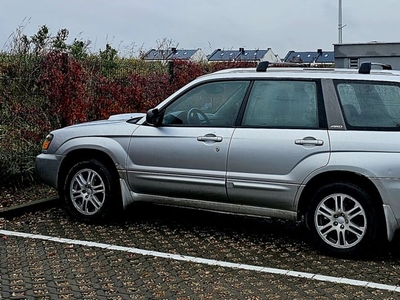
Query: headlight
x=47, y=141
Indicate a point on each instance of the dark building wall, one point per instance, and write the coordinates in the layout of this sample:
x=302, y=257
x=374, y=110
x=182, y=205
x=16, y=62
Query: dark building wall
x=347, y=54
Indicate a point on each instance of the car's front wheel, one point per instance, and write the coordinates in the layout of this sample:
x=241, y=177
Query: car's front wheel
x=343, y=219
x=90, y=191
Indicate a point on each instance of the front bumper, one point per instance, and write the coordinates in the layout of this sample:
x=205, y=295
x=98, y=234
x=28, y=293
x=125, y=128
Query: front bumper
x=47, y=168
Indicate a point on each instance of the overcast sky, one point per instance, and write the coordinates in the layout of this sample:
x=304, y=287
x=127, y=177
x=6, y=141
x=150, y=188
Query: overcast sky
x=283, y=25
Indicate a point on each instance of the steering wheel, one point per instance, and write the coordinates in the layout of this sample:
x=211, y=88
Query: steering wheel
x=193, y=117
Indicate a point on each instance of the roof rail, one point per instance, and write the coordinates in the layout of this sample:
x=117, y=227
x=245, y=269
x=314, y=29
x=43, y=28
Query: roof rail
x=262, y=66
x=366, y=66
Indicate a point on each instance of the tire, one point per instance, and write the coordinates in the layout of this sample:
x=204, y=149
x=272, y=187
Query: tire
x=90, y=192
x=342, y=219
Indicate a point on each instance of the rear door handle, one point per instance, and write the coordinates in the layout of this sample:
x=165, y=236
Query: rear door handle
x=309, y=141
x=210, y=138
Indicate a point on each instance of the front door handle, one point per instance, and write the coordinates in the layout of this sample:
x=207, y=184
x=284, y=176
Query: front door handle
x=210, y=138
x=309, y=141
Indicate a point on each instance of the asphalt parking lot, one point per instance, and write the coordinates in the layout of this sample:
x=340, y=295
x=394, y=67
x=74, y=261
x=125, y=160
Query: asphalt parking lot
x=154, y=252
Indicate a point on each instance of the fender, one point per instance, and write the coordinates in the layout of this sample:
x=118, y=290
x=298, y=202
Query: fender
x=115, y=147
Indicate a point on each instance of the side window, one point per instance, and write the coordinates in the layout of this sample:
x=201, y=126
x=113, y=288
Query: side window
x=370, y=104
x=210, y=104
x=390, y=96
x=349, y=98
x=288, y=104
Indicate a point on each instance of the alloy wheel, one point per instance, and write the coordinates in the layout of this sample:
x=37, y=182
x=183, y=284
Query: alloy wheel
x=87, y=192
x=340, y=221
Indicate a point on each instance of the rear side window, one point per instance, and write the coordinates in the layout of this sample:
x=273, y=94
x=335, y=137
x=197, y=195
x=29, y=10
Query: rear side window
x=282, y=104
x=370, y=105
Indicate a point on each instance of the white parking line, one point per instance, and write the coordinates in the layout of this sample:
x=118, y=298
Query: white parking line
x=205, y=261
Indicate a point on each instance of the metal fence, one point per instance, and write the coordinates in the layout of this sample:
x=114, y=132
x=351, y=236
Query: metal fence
x=28, y=97
x=24, y=108
x=26, y=112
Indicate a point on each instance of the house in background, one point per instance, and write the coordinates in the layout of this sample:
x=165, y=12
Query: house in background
x=243, y=55
x=352, y=55
x=175, y=54
x=311, y=57
x=156, y=55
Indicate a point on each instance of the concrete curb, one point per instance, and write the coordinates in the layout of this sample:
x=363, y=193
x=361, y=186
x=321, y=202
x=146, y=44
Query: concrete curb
x=29, y=206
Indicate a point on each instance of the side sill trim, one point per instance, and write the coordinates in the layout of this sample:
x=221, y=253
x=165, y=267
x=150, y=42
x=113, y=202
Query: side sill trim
x=228, y=208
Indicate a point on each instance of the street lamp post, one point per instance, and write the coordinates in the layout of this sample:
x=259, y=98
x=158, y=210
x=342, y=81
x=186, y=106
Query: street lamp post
x=340, y=26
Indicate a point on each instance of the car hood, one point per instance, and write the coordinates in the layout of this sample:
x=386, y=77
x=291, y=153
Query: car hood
x=131, y=117
x=126, y=117
x=114, y=126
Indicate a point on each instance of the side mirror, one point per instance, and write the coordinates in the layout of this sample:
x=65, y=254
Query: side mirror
x=153, y=117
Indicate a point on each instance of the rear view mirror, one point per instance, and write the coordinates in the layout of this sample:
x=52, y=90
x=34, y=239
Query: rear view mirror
x=153, y=117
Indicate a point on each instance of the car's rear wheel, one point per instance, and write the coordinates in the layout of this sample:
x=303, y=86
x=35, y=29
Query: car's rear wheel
x=343, y=219
x=90, y=191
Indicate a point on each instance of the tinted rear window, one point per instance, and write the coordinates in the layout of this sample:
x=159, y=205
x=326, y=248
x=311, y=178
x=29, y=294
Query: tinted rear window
x=282, y=104
x=370, y=105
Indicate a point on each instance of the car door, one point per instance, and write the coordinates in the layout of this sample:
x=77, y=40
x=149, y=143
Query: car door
x=185, y=155
x=282, y=139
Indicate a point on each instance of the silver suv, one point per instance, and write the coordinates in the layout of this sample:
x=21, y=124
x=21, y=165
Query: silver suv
x=288, y=143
